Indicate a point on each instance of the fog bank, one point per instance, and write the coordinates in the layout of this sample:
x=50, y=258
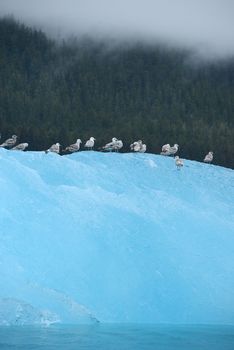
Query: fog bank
x=204, y=25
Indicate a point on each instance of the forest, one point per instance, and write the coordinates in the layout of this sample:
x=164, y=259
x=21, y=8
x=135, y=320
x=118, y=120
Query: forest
x=58, y=91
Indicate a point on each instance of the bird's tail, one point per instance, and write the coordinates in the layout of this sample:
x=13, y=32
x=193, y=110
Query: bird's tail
x=65, y=151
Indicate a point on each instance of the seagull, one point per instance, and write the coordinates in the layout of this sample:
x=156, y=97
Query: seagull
x=133, y=146
x=9, y=143
x=20, y=147
x=110, y=146
x=137, y=146
x=114, y=145
x=208, y=158
x=74, y=147
x=179, y=162
x=174, y=149
x=170, y=151
x=90, y=143
x=118, y=145
x=55, y=148
x=143, y=148
x=166, y=147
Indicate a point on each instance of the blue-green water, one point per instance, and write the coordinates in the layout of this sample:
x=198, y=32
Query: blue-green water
x=118, y=337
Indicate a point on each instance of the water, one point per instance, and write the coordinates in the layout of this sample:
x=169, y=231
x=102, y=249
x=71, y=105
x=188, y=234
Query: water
x=118, y=337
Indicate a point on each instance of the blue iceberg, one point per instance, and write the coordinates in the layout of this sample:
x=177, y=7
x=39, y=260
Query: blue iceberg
x=93, y=237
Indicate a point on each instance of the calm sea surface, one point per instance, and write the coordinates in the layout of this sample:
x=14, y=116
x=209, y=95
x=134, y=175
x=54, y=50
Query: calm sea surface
x=118, y=337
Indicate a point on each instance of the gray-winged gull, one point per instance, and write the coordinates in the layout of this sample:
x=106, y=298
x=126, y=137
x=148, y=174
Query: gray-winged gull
x=118, y=145
x=55, y=148
x=110, y=146
x=90, y=143
x=208, y=158
x=171, y=151
x=166, y=147
x=138, y=146
x=174, y=149
x=9, y=143
x=179, y=162
x=20, y=147
x=135, y=146
x=74, y=147
x=143, y=148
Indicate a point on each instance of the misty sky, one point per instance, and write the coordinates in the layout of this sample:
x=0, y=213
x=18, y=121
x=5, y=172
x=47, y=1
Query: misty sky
x=206, y=25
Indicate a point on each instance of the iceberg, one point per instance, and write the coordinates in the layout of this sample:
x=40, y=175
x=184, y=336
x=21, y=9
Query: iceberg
x=94, y=237
x=14, y=312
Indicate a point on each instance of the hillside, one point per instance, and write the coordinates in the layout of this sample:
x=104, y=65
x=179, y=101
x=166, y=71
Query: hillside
x=114, y=238
x=58, y=92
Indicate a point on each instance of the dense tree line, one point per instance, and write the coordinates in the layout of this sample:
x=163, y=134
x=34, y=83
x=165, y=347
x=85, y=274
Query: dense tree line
x=53, y=92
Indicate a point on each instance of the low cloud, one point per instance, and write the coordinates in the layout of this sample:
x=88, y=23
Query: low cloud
x=207, y=26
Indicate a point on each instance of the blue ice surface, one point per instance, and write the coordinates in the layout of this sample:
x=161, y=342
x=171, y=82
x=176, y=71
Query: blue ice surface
x=112, y=237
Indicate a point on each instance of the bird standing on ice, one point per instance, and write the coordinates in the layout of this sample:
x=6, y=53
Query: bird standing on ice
x=168, y=150
x=135, y=146
x=110, y=146
x=138, y=146
x=74, y=147
x=55, y=148
x=179, y=162
x=143, y=148
x=208, y=158
x=9, y=143
x=174, y=149
x=20, y=147
x=90, y=143
x=118, y=145
x=165, y=148
x=114, y=145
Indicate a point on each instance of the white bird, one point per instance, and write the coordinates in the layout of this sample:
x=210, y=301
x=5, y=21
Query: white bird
x=114, y=145
x=135, y=146
x=20, y=147
x=143, y=148
x=74, y=147
x=208, y=158
x=179, y=162
x=55, y=148
x=138, y=146
x=118, y=145
x=90, y=143
x=174, y=149
x=166, y=147
x=110, y=146
x=171, y=151
x=9, y=143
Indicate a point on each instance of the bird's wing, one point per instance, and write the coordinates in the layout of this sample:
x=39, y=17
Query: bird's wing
x=109, y=145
